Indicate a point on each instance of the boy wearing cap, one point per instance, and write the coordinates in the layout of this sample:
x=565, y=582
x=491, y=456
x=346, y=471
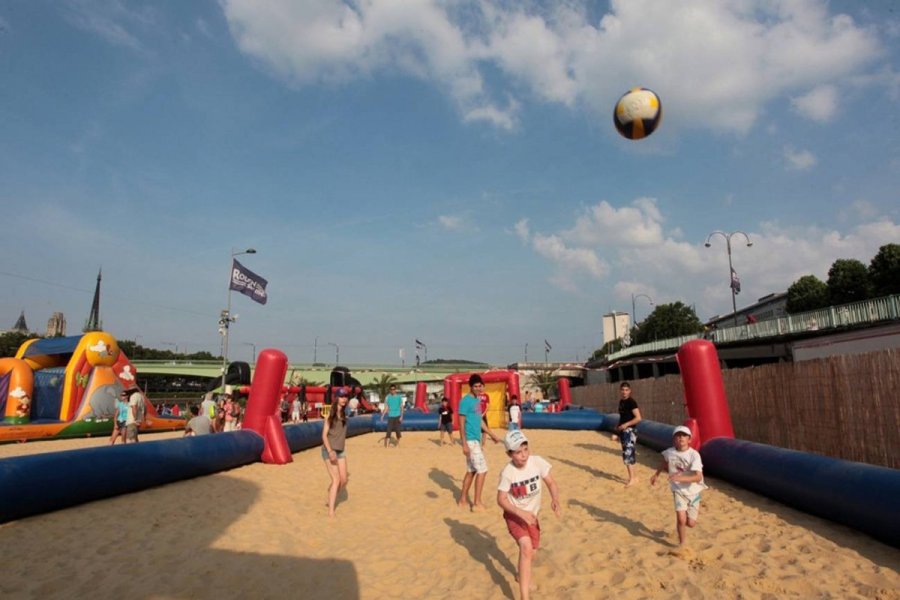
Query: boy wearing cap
x=519, y=495
x=471, y=425
x=685, y=480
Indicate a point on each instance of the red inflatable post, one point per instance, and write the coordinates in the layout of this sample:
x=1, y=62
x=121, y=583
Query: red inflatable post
x=565, y=393
x=704, y=391
x=262, y=414
x=421, y=396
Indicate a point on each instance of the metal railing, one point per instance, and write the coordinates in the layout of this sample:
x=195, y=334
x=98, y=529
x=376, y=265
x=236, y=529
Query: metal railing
x=866, y=312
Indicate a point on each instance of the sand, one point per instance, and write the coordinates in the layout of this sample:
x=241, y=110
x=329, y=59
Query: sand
x=262, y=531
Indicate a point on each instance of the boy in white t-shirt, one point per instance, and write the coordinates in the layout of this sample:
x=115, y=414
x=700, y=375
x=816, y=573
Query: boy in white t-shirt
x=519, y=495
x=685, y=480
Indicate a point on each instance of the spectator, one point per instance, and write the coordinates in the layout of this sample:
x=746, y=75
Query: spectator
x=199, y=423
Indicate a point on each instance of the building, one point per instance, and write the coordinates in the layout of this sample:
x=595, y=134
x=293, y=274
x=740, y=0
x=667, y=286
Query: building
x=56, y=325
x=773, y=306
x=21, y=326
x=616, y=325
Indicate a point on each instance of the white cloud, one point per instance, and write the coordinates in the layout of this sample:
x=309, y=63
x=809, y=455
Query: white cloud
x=606, y=225
x=522, y=230
x=799, y=160
x=692, y=273
x=111, y=20
x=451, y=223
x=715, y=64
x=820, y=104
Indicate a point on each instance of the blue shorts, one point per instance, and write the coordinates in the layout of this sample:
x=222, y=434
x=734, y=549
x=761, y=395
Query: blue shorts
x=448, y=427
x=340, y=453
x=628, y=438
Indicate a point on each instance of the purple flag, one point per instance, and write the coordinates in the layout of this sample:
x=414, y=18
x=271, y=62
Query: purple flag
x=735, y=282
x=247, y=282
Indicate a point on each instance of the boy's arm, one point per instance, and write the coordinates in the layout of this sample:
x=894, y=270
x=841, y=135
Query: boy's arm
x=462, y=433
x=663, y=466
x=485, y=428
x=507, y=506
x=555, y=504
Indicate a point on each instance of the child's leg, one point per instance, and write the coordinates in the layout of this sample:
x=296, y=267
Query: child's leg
x=333, y=488
x=479, y=487
x=466, y=484
x=681, y=525
x=526, y=554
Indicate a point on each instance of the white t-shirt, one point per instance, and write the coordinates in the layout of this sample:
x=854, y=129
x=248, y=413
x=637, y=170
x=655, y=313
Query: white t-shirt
x=514, y=411
x=684, y=462
x=135, y=402
x=523, y=486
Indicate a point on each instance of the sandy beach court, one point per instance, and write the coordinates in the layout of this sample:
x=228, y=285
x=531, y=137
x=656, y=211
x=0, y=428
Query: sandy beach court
x=261, y=531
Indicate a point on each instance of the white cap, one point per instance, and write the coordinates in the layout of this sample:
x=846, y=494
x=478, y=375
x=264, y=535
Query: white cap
x=682, y=429
x=514, y=440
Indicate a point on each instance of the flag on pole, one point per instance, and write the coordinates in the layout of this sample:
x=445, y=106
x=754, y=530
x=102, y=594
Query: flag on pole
x=735, y=282
x=547, y=346
x=247, y=282
x=419, y=344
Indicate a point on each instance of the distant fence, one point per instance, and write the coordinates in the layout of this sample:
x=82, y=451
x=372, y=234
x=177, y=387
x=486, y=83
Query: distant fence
x=845, y=407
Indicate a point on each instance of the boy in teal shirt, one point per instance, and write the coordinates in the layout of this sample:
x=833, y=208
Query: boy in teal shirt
x=470, y=426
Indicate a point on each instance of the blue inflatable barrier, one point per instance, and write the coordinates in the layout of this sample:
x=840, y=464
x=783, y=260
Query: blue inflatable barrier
x=865, y=497
x=303, y=436
x=41, y=483
x=579, y=420
x=412, y=421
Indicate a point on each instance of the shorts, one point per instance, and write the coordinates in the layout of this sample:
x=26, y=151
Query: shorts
x=691, y=504
x=519, y=529
x=513, y=426
x=475, y=462
x=628, y=438
x=295, y=416
x=120, y=425
x=131, y=431
x=448, y=427
x=340, y=453
x=393, y=425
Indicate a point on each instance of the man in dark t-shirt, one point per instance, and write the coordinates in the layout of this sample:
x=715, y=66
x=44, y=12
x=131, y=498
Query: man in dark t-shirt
x=629, y=417
x=445, y=420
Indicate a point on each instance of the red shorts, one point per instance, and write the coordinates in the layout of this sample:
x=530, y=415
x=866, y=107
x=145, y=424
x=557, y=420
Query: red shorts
x=519, y=529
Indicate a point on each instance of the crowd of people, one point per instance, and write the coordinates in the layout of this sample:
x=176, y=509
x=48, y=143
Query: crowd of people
x=215, y=415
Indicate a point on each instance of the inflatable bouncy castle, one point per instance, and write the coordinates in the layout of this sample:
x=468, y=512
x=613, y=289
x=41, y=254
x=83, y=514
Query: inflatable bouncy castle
x=67, y=387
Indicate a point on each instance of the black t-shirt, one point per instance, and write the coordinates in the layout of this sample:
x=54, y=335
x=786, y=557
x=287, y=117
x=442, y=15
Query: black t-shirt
x=446, y=414
x=626, y=409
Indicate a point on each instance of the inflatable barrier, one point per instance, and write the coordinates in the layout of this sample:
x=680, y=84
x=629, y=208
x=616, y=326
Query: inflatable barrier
x=412, y=421
x=41, y=483
x=303, y=436
x=571, y=420
x=862, y=496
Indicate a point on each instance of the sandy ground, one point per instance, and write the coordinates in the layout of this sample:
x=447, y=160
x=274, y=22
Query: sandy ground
x=261, y=531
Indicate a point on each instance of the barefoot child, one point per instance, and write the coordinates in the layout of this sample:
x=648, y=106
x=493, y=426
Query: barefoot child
x=519, y=495
x=685, y=480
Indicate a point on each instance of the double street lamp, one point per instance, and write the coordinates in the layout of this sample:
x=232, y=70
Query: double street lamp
x=226, y=318
x=732, y=276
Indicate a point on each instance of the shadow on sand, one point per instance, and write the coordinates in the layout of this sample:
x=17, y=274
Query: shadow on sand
x=483, y=548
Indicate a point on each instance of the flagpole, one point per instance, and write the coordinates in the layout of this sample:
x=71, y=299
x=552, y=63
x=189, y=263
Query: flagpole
x=731, y=273
x=225, y=319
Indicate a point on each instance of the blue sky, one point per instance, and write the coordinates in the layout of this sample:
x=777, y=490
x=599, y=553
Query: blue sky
x=446, y=171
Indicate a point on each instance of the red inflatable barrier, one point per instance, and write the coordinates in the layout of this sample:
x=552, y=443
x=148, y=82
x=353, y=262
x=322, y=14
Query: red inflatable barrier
x=704, y=391
x=262, y=415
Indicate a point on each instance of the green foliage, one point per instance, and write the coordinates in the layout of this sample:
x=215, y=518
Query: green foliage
x=667, y=321
x=848, y=281
x=807, y=293
x=608, y=348
x=381, y=385
x=884, y=271
x=10, y=342
x=545, y=380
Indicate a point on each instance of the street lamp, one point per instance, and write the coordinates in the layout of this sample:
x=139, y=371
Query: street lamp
x=254, y=350
x=337, y=353
x=731, y=273
x=173, y=344
x=635, y=297
x=226, y=318
x=315, y=350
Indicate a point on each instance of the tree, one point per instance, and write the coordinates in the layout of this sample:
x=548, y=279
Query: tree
x=848, y=281
x=667, y=321
x=545, y=380
x=382, y=385
x=807, y=293
x=10, y=342
x=608, y=348
x=884, y=271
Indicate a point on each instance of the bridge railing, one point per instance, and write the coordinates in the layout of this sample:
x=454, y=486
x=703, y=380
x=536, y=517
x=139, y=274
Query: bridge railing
x=866, y=312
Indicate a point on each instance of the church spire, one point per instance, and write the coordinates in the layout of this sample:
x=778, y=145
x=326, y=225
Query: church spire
x=93, y=322
x=21, y=326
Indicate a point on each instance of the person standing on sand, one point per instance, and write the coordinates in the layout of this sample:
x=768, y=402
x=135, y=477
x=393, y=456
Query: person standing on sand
x=334, y=435
x=629, y=417
x=470, y=427
x=395, y=410
x=445, y=420
x=120, y=418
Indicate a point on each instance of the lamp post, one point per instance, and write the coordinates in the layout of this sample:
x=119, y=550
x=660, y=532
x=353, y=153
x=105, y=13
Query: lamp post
x=173, y=344
x=731, y=273
x=254, y=350
x=526, y=352
x=315, y=350
x=635, y=297
x=226, y=318
x=337, y=353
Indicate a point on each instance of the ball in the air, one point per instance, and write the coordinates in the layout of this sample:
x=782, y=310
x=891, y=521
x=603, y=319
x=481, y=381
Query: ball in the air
x=638, y=113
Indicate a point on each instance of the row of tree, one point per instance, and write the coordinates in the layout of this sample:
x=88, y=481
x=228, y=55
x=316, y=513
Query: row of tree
x=12, y=340
x=849, y=280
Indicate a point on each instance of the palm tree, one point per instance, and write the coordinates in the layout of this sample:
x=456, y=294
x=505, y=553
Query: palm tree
x=381, y=385
x=544, y=380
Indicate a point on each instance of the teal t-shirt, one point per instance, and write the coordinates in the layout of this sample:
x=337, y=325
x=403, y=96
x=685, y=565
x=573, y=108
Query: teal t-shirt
x=470, y=408
x=394, y=404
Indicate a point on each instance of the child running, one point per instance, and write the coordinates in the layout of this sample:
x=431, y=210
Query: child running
x=685, y=480
x=519, y=495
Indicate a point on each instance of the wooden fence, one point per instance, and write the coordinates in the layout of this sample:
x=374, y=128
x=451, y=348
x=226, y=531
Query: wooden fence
x=846, y=407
